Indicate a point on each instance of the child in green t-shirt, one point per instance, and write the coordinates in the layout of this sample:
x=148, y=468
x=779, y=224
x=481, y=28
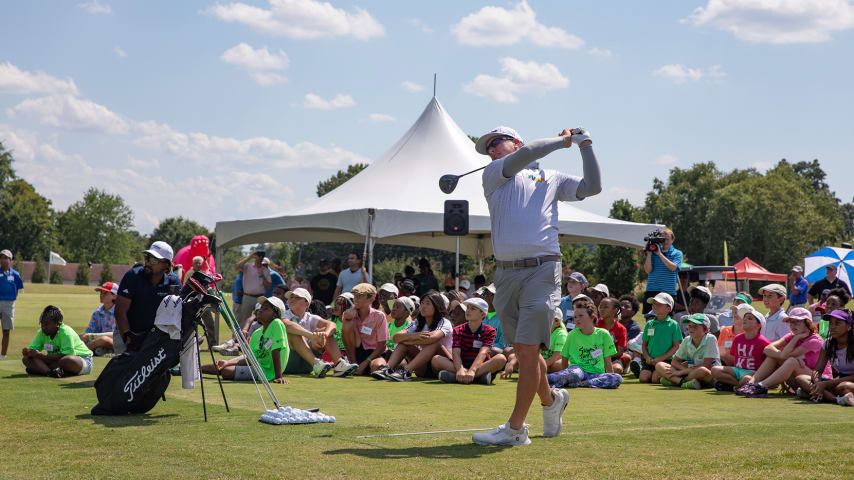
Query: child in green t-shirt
x=554, y=360
x=65, y=354
x=586, y=349
x=697, y=354
x=269, y=345
x=661, y=338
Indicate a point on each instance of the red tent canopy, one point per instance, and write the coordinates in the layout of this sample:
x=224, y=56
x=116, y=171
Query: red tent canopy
x=747, y=269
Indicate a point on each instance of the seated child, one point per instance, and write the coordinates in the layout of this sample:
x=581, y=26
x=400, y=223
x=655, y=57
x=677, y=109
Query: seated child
x=98, y=336
x=308, y=337
x=343, y=303
x=661, y=338
x=726, y=318
x=729, y=332
x=698, y=353
x=472, y=345
x=430, y=334
x=838, y=351
x=587, y=350
x=268, y=344
x=65, y=353
x=555, y=362
x=747, y=351
x=609, y=311
x=401, y=318
x=773, y=297
x=365, y=329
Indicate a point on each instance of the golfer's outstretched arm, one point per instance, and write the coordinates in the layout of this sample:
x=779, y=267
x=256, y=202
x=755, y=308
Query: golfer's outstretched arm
x=590, y=185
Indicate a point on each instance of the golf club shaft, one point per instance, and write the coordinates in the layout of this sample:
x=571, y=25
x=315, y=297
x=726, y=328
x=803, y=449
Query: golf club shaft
x=476, y=169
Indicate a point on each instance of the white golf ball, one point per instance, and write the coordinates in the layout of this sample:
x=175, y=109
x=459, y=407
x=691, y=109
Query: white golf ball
x=332, y=419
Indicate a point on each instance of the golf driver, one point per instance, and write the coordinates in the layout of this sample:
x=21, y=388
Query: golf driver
x=447, y=183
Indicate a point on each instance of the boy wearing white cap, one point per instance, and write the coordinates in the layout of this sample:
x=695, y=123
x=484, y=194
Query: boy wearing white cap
x=309, y=336
x=661, y=339
x=773, y=297
x=471, y=349
x=11, y=285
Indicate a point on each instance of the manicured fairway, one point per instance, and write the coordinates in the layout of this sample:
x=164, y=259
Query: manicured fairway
x=637, y=431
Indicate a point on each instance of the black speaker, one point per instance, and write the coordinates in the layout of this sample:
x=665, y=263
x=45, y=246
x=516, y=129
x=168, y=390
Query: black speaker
x=456, y=217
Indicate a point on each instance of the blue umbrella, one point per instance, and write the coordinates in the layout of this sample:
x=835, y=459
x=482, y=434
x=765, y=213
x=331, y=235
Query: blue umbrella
x=841, y=258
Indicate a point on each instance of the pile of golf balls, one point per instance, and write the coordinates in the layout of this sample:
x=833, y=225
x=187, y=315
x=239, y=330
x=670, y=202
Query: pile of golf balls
x=289, y=415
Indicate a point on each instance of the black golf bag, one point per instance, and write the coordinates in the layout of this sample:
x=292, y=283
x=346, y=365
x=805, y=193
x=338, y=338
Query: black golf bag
x=136, y=380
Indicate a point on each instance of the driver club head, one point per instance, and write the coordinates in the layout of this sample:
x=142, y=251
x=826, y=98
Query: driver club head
x=447, y=183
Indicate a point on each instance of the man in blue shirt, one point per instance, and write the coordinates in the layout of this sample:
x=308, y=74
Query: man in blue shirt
x=11, y=285
x=662, y=268
x=800, y=287
x=140, y=293
x=275, y=278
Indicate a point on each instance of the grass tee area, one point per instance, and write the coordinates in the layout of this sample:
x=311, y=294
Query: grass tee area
x=637, y=431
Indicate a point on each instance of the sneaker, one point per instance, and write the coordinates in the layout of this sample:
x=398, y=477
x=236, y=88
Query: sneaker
x=503, y=435
x=744, y=389
x=2, y=357
x=232, y=351
x=400, y=375
x=99, y=351
x=344, y=368
x=635, y=366
x=758, y=391
x=224, y=345
x=484, y=379
x=695, y=384
x=802, y=394
x=724, y=387
x=667, y=383
x=381, y=373
x=56, y=373
x=552, y=414
x=320, y=368
x=687, y=385
x=846, y=400
x=447, y=376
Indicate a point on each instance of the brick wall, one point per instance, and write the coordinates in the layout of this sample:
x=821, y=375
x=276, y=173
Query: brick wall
x=69, y=271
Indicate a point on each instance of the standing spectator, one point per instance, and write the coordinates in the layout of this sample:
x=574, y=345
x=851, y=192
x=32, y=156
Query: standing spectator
x=140, y=293
x=426, y=279
x=353, y=276
x=662, y=266
x=335, y=266
x=299, y=280
x=800, y=288
x=409, y=274
x=276, y=278
x=198, y=266
x=479, y=281
x=829, y=282
x=229, y=347
x=323, y=284
x=256, y=281
x=10, y=287
x=98, y=335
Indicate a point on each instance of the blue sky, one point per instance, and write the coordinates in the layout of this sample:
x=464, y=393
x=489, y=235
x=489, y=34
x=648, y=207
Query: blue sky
x=217, y=111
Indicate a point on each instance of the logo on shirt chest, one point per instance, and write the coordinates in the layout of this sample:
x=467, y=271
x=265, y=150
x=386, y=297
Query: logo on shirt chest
x=536, y=178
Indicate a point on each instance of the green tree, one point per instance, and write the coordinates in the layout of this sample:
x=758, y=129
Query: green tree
x=97, y=229
x=26, y=224
x=580, y=257
x=178, y=232
x=617, y=266
x=56, y=276
x=82, y=275
x=106, y=273
x=7, y=173
x=38, y=272
x=339, y=178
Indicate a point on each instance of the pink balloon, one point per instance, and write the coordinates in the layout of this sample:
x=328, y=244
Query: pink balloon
x=198, y=247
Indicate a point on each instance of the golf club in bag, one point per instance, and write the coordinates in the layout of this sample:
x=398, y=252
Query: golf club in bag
x=136, y=380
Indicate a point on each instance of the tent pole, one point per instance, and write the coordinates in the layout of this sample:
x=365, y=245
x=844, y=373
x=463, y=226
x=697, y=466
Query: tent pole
x=371, y=264
x=457, y=268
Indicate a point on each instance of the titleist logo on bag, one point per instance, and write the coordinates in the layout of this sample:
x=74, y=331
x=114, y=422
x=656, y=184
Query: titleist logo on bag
x=144, y=372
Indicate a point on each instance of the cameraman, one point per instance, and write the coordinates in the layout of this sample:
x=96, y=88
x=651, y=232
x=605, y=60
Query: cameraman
x=662, y=268
x=256, y=281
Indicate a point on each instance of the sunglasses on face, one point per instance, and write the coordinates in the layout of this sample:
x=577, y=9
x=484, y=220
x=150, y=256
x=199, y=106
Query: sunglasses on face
x=152, y=259
x=495, y=141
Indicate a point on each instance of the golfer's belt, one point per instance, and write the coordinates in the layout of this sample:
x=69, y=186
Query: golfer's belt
x=527, y=262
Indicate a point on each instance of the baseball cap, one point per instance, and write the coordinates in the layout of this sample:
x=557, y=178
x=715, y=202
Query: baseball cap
x=408, y=284
x=483, y=141
x=662, y=298
x=299, y=292
x=478, y=303
x=364, y=289
x=700, y=288
x=744, y=298
x=490, y=288
x=276, y=302
x=6, y=253
x=407, y=303
x=160, y=250
x=415, y=300
x=798, y=313
x=454, y=304
x=108, y=287
x=465, y=284
x=840, y=314
x=579, y=277
x=798, y=268
x=581, y=296
x=775, y=288
x=265, y=261
x=698, y=318
x=744, y=309
x=602, y=288
x=445, y=300
x=389, y=287
x=348, y=296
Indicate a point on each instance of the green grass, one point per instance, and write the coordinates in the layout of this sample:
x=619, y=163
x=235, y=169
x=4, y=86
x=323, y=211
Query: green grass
x=637, y=431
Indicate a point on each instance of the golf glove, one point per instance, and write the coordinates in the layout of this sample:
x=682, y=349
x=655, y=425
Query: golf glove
x=579, y=135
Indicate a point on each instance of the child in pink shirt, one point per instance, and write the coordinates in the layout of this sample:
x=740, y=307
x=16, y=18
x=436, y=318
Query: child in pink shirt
x=747, y=351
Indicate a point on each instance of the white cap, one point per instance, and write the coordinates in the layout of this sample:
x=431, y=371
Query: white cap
x=160, y=250
x=700, y=288
x=558, y=313
x=662, y=298
x=265, y=261
x=389, y=287
x=275, y=302
x=581, y=296
x=746, y=308
x=602, y=288
x=483, y=141
x=465, y=284
x=299, y=292
x=490, y=288
x=478, y=303
x=407, y=303
x=446, y=300
x=7, y=253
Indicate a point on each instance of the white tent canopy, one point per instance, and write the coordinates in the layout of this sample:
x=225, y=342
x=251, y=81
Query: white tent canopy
x=398, y=199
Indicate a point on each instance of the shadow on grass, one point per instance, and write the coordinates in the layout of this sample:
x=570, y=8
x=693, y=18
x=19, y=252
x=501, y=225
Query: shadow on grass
x=460, y=450
x=125, y=420
x=86, y=384
x=19, y=375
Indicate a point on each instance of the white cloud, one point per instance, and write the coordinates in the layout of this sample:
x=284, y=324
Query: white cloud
x=17, y=81
x=518, y=77
x=600, y=52
x=301, y=19
x=70, y=113
x=316, y=102
x=495, y=26
x=411, y=86
x=94, y=7
x=250, y=58
x=760, y=165
x=667, y=160
x=716, y=71
x=381, y=117
x=119, y=52
x=679, y=74
x=20, y=142
x=268, y=79
x=417, y=23
x=776, y=21
x=143, y=164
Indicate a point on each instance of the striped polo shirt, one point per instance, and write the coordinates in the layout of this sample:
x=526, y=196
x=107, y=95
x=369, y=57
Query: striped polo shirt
x=661, y=279
x=465, y=339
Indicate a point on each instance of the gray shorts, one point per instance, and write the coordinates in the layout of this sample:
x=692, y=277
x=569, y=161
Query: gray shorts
x=242, y=373
x=525, y=300
x=88, y=363
x=7, y=314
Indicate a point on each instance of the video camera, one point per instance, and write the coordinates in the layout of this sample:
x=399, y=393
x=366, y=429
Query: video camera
x=654, y=240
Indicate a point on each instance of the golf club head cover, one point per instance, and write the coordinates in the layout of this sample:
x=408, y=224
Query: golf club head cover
x=579, y=135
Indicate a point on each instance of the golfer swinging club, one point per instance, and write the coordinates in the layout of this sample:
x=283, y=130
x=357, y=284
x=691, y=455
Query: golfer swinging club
x=524, y=215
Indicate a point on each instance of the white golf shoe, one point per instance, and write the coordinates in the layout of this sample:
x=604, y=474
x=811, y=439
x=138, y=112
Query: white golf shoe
x=503, y=435
x=552, y=414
